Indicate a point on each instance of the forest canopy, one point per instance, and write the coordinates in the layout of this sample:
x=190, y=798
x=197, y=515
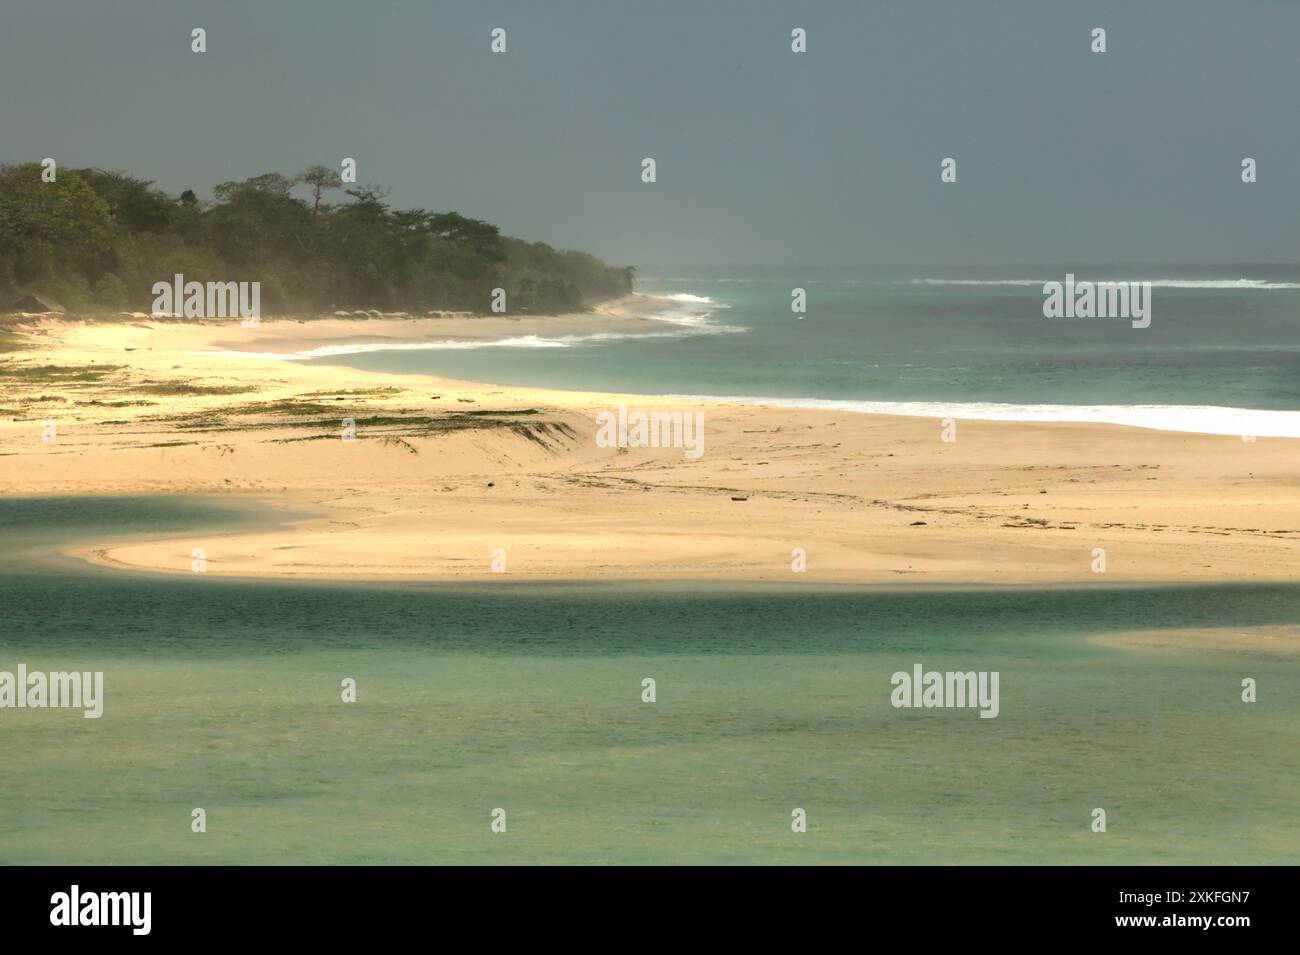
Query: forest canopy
x=93, y=238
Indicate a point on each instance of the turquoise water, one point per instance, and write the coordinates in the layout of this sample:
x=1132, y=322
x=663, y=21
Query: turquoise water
x=224, y=694
x=924, y=335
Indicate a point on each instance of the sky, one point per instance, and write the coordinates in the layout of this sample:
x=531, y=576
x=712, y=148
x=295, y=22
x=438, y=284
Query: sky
x=764, y=156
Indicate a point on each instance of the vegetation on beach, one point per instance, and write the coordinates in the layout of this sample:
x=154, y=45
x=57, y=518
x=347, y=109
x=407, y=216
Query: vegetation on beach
x=94, y=238
x=55, y=374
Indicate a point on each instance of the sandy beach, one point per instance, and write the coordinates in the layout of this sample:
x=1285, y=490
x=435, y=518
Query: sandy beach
x=444, y=475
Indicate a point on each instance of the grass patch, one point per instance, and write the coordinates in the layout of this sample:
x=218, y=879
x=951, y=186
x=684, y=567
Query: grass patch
x=188, y=389
x=56, y=374
x=383, y=392
x=116, y=404
x=498, y=414
x=9, y=341
x=287, y=406
x=328, y=419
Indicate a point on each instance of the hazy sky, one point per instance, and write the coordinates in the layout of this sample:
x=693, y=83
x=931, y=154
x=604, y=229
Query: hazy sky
x=764, y=156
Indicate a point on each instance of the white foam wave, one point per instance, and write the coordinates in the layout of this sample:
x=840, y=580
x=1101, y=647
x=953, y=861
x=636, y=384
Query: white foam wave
x=694, y=312
x=1196, y=419
x=688, y=297
x=520, y=341
x=685, y=314
x=1155, y=283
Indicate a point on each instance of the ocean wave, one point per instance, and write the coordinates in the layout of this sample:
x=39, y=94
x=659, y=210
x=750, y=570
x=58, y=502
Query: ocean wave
x=1195, y=419
x=361, y=348
x=685, y=314
x=693, y=312
x=519, y=341
x=1155, y=283
x=688, y=297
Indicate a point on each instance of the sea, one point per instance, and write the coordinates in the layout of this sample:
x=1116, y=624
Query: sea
x=1221, y=354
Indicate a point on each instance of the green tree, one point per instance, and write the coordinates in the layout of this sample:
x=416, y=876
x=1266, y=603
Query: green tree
x=133, y=204
x=48, y=226
x=102, y=236
x=110, y=290
x=320, y=178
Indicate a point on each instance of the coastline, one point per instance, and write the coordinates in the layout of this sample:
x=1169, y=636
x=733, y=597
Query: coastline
x=443, y=473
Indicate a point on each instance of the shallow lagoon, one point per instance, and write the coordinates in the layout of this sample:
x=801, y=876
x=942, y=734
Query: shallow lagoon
x=225, y=694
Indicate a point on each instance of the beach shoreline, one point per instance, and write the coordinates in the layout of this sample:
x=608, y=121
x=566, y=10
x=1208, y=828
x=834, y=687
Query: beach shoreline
x=445, y=474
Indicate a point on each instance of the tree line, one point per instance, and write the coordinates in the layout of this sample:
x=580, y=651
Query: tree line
x=93, y=238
